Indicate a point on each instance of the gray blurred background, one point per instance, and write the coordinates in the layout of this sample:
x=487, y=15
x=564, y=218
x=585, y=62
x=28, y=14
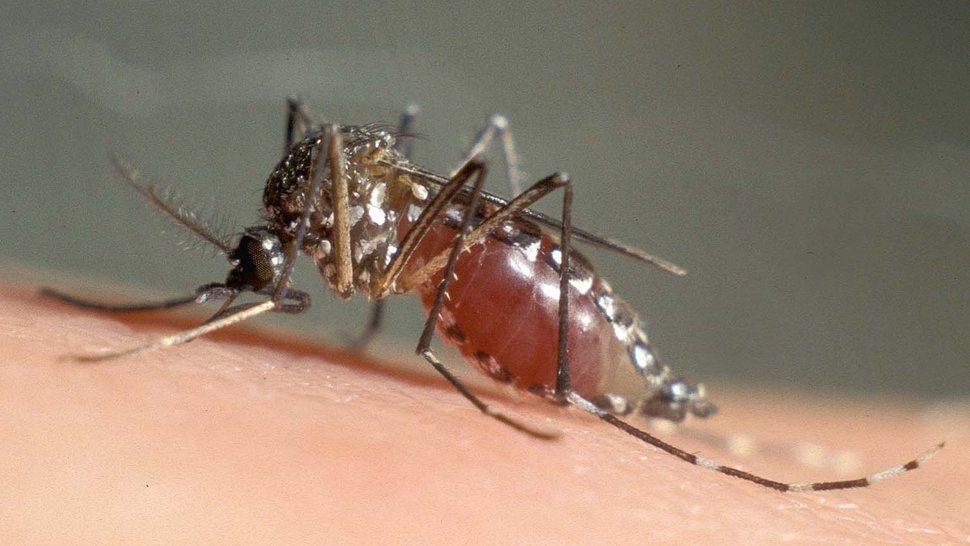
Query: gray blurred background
x=807, y=163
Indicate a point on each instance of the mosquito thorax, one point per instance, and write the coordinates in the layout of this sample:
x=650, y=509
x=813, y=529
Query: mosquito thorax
x=382, y=200
x=368, y=153
x=257, y=260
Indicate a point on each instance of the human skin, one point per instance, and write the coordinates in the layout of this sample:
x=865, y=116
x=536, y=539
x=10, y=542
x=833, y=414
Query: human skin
x=254, y=436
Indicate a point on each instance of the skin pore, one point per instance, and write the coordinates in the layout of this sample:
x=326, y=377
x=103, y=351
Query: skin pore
x=253, y=436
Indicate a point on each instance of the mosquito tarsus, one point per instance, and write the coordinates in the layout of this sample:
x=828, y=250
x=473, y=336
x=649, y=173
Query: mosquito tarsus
x=374, y=223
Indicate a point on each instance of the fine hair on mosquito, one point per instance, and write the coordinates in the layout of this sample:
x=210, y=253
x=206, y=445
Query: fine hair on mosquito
x=489, y=271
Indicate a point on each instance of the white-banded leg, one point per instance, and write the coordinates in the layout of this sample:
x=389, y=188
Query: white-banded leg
x=841, y=462
x=565, y=394
x=587, y=406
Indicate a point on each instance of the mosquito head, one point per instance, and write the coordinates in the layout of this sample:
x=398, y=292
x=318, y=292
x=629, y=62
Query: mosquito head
x=257, y=260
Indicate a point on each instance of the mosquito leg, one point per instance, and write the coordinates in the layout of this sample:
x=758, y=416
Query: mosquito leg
x=482, y=406
x=344, y=279
x=405, y=130
x=405, y=145
x=497, y=124
x=605, y=243
x=564, y=391
x=587, y=406
x=329, y=154
x=424, y=343
x=474, y=167
x=301, y=302
x=299, y=121
x=226, y=316
x=491, y=223
x=563, y=382
x=744, y=446
x=375, y=322
x=420, y=228
x=234, y=316
x=565, y=394
x=463, y=241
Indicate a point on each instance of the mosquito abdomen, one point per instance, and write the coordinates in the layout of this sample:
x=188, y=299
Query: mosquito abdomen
x=502, y=313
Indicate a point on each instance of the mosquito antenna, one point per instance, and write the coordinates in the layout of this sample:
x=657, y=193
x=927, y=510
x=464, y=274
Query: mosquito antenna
x=181, y=215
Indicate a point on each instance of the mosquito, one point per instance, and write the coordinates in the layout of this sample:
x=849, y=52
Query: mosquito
x=490, y=273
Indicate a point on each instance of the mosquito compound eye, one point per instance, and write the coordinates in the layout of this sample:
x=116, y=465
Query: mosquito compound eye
x=257, y=260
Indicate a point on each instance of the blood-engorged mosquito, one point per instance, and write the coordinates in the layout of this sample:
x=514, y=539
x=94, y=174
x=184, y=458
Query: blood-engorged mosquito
x=489, y=276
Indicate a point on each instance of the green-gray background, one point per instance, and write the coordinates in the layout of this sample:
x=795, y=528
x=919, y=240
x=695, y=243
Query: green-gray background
x=808, y=163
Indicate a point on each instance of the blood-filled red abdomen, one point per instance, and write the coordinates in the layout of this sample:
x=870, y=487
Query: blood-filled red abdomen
x=502, y=312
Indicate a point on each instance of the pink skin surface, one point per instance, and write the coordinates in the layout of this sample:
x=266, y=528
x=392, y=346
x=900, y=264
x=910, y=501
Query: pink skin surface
x=253, y=437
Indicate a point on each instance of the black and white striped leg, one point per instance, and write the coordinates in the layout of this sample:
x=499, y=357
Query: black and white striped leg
x=565, y=394
x=587, y=406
